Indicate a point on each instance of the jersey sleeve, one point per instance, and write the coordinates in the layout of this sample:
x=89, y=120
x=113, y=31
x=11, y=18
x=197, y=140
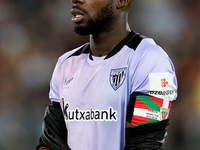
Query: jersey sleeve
x=154, y=86
x=54, y=91
x=56, y=80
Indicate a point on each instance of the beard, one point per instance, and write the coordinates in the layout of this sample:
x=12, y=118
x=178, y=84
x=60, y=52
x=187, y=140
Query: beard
x=96, y=24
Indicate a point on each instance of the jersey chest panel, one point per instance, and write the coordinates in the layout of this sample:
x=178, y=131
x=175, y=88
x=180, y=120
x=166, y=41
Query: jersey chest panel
x=95, y=95
x=99, y=85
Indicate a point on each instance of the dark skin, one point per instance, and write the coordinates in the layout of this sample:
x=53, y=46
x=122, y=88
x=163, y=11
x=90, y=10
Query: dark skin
x=106, y=21
x=117, y=29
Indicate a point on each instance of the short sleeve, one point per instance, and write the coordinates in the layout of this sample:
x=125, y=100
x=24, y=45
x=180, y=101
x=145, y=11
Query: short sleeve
x=154, y=74
x=154, y=86
x=54, y=92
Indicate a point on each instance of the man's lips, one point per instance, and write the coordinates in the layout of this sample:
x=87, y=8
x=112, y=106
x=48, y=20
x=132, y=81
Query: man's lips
x=77, y=18
x=77, y=15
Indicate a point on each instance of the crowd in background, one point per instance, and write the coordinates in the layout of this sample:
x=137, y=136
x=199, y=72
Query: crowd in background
x=34, y=33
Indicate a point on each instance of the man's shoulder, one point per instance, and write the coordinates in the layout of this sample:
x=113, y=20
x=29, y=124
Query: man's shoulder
x=149, y=54
x=70, y=53
x=148, y=48
x=143, y=46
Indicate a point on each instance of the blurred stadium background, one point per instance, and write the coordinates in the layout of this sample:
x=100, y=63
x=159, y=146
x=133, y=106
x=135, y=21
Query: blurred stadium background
x=34, y=33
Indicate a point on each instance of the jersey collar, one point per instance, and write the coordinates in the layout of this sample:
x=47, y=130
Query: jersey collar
x=115, y=50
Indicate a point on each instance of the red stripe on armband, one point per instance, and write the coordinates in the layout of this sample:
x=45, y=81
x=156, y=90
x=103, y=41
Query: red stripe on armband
x=150, y=109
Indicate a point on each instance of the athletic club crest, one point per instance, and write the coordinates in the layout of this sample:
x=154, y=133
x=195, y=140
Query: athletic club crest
x=117, y=77
x=164, y=113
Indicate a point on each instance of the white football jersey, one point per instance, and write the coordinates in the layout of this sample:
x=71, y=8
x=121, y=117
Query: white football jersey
x=95, y=94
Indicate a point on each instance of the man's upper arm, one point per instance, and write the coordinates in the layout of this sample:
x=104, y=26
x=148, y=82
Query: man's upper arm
x=154, y=87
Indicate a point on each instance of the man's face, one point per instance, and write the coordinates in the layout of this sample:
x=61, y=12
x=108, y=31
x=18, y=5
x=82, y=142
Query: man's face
x=92, y=16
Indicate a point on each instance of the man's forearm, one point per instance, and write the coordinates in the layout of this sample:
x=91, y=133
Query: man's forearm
x=54, y=132
x=146, y=137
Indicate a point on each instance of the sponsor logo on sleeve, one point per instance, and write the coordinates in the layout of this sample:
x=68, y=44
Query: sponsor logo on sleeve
x=162, y=85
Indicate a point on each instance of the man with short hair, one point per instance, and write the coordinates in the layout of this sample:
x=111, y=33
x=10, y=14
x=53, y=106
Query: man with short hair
x=112, y=93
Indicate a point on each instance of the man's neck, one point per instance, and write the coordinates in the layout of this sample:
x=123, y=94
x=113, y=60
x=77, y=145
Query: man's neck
x=104, y=42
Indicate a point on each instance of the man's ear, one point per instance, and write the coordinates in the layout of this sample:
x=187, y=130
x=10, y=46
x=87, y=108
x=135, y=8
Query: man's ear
x=122, y=3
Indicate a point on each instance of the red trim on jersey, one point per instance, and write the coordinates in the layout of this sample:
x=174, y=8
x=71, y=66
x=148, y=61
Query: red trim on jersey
x=43, y=148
